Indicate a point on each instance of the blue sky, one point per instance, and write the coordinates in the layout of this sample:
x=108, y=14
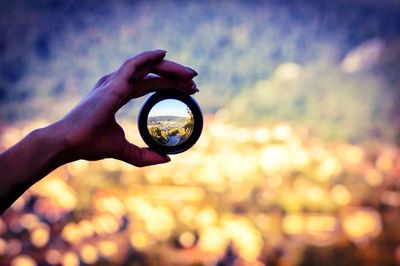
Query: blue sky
x=169, y=107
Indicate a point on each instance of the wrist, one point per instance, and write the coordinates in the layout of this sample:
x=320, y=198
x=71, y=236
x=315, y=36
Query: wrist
x=54, y=146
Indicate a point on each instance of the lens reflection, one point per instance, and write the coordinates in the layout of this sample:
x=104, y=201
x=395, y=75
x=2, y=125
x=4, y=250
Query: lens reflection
x=170, y=122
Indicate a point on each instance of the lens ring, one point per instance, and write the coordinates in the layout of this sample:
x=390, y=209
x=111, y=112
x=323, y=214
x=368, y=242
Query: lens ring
x=175, y=95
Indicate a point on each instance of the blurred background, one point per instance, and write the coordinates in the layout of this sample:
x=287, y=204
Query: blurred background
x=298, y=163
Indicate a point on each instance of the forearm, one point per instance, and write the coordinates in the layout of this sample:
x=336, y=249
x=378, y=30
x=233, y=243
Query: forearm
x=27, y=162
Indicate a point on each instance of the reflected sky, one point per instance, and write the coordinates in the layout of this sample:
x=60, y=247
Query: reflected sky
x=169, y=108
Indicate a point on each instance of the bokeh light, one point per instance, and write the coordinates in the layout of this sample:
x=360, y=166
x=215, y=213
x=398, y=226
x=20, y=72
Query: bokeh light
x=298, y=162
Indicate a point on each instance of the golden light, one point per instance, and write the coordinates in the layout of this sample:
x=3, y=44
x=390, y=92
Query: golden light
x=89, y=254
x=40, y=236
x=18, y=204
x=140, y=240
x=282, y=132
x=314, y=194
x=245, y=237
x=69, y=258
x=10, y=136
x=274, y=181
x=320, y=223
x=384, y=162
x=187, y=239
x=212, y=239
x=242, y=135
x=23, y=260
x=179, y=193
x=314, y=228
x=262, y=221
x=138, y=205
x=341, y=194
x=71, y=233
x=160, y=222
x=329, y=167
x=86, y=228
x=206, y=217
x=373, y=177
x=299, y=158
x=186, y=215
x=29, y=221
x=293, y=224
x=262, y=135
x=361, y=223
x=111, y=164
x=391, y=198
x=110, y=204
x=105, y=224
x=353, y=154
x=107, y=248
x=58, y=190
x=274, y=158
x=76, y=168
x=53, y=256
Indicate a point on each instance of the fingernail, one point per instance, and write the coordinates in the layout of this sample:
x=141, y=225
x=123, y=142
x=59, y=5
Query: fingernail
x=194, y=71
x=194, y=88
x=160, y=50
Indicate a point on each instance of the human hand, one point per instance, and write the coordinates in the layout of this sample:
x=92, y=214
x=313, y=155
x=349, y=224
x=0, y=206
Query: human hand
x=91, y=132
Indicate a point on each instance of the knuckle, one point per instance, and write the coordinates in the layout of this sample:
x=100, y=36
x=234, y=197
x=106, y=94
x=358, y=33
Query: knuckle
x=103, y=78
x=131, y=63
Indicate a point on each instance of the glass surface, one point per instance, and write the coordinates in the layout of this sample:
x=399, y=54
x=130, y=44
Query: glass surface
x=170, y=122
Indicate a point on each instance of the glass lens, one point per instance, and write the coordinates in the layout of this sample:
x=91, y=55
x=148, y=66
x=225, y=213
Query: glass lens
x=170, y=122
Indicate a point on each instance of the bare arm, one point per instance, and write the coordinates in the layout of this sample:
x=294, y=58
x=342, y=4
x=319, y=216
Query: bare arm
x=90, y=130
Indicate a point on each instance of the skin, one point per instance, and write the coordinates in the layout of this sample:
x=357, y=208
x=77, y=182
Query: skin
x=90, y=130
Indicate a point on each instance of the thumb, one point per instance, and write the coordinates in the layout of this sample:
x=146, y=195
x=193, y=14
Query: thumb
x=140, y=157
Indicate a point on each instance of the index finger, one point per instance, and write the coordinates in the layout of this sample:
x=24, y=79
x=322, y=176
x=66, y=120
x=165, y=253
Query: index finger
x=129, y=67
x=173, y=70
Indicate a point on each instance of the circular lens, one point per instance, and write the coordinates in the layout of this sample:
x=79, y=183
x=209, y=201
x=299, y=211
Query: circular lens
x=170, y=122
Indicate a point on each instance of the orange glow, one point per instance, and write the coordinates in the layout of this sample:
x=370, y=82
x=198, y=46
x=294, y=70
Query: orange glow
x=222, y=192
x=105, y=224
x=70, y=259
x=40, y=236
x=53, y=256
x=187, y=239
x=89, y=254
x=361, y=223
x=244, y=236
x=341, y=195
x=206, y=217
x=23, y=260
x=110, y=204
x=213, y=240
x=71, y=233
x=107, y=248
x=353, y=154
x=140, y=240
x=373, y=177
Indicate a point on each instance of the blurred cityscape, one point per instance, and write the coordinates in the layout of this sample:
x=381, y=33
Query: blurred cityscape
x=298, y=163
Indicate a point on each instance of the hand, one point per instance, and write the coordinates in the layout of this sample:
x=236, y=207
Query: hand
x=91, y=132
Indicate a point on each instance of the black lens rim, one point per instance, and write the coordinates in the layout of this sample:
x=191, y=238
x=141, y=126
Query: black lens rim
x=176, y=95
